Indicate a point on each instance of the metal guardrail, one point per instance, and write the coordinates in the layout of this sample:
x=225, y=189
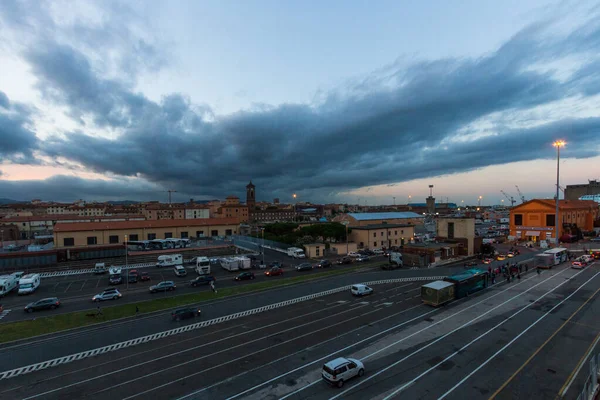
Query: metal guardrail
x=590, y=387
x=133, y=342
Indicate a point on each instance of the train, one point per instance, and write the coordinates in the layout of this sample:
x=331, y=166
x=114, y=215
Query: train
x=455, y=287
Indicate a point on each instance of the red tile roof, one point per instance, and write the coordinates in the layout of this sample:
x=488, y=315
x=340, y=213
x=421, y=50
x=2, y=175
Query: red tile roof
x=67, y=217
x=163, y=223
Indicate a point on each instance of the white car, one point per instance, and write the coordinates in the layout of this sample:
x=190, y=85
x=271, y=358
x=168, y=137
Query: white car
x=361, y=290
x=108, y=294
x=353, y=254
x=337, y=371
x=180, y=270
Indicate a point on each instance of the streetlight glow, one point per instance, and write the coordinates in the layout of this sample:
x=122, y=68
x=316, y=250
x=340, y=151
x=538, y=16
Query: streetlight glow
x=558, y=144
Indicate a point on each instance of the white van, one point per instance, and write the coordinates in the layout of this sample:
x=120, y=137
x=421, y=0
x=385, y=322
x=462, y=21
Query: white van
x=8, y=283
x=29, y=283
x=361, y=290
x=296, y=252
x=99, y=268
x=170, y=260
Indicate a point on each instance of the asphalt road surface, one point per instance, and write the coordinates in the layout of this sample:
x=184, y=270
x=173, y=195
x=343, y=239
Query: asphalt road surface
x=516, y=340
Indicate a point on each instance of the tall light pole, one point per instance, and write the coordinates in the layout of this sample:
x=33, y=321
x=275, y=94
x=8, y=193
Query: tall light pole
x=394, y=200
x=263, y=244
x=2, y=236
x=126, y=269
x=558, y=144
x=479, y=202
x=409, y=199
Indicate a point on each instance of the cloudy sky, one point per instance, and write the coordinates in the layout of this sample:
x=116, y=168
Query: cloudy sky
x=335, y=101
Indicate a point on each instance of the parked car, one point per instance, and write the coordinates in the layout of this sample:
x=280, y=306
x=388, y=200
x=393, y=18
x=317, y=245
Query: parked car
x=323, y=264
x=274, y=271
x=144, y=276
x=501, y=257
x=133, y=276
x=107, y=294
x=363, y=258
x=244, y=276
x=338, y=371
x=185, y=313
x=304, y=267
x=353, y=254
x=202, y=280
x=471, y=263
x=180, y=270
x=361, y=290
x=163, y=287
x=49, y=303
x=344, y=260
x=488, y=260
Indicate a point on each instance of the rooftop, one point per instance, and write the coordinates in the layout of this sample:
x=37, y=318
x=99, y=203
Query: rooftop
x=430, y=245
x=380, y=226
x=67, y=217
x=163, y=223
x=466, y=275
x=563, y=204
x=384, y=215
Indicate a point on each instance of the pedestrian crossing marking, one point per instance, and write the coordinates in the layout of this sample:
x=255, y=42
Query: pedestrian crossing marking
x=364, y=303
x=4, y=313
x=342, y=302
x=388, y=304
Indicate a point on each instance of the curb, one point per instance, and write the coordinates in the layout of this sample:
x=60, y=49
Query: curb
x=133, y=342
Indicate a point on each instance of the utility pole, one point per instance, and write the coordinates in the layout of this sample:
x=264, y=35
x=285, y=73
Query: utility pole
x=171, y=191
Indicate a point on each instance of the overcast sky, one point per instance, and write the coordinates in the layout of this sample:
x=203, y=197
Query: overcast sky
x=337, y=101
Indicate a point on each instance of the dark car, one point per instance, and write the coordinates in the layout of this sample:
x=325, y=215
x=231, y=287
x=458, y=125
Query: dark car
x=44, y=304
x=304, y=267
x=344, y=260
x=115, y=279
x=163, y=287
x=244, y=276
x=323, y=264
x=133, y=276
x=144, y=276
x=471, y=263
x=274, y=271
x=202, y=280
x=185, y=313
x=363, y=258
x=277, y=264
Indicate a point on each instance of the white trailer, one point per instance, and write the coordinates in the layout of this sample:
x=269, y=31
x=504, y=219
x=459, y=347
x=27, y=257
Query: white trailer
x=29, y=283
x=244, y=262
x=114, y=271
x=230, y=264
x=8, y=283
x=396, y=259
x=296, y=252
x=202, y=265
x=170, y=260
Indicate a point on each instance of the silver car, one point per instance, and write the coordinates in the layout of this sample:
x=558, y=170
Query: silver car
x=108, y=294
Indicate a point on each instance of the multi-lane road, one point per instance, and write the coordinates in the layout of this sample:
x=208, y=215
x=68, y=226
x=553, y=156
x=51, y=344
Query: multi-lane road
x=514, y=341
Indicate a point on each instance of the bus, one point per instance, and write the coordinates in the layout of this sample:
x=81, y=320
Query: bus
x=468, y=282
x=545, y=261
x=559, y=255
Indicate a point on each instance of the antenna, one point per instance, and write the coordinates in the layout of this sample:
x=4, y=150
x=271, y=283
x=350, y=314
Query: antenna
x=430, y=190
x=171, y=191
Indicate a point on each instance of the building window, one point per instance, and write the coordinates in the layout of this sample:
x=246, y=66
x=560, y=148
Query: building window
x=550, y=220
x=168, y=235
x=68, y=242
x=402, y=231
x=133, y=238
x=395, y=241
x=450, y=230
x=199, y=233
x=374, y=234
x=317, y=252
x=381, y=234
x=214, y=233
x=184, y=235
x=227, y=232
x=151, y=236
x=113, y=239
x=361, y=244
x=374, y=244
x=91, y=240
x=395, y=233
x=519, y=219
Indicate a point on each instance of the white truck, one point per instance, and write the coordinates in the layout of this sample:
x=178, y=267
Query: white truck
x=395, y=259
x=295, y=252
x=230, y=264
x=244, y=262
x=170, y=260
x=29, y=283
x=8, y=283
x=202, y=265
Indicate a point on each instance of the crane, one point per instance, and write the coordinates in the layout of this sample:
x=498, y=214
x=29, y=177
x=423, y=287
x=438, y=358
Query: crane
x=510, y=198
x=520, y=194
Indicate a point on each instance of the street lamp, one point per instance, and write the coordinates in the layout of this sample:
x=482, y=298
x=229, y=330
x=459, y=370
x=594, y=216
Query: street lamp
x=263, y=243
x=558, y=144
x=394, y=200
x=126, y=269
x=2, y=236
x=346, y=225
x=479, y=202
x=409, y=198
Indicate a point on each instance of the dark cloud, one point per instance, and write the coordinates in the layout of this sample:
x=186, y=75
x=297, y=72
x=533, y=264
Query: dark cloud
x=398, y=124
x=17, y=140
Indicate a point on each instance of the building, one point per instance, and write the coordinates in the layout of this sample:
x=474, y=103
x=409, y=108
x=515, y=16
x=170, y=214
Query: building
x=85, y=210
x=319, y=250
x=534, y=220
x=362, y=219
x=273, y=214
x=233, y=209
x=103, y=233
x=196, y=211
x=9, y=232
x=574, y=192
x=381, y=235
x=251, y=196
x=39, y=225
x=157, y=211
x=423, y=254
x=461, y=231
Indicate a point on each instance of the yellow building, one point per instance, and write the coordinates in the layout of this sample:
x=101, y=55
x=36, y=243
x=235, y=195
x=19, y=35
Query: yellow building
x=363, y=219
x=377, y=236
x=103, y=233
x=460, y=230
x=317, y=250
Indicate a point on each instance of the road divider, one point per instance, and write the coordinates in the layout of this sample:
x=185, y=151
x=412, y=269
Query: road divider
x=133, y=342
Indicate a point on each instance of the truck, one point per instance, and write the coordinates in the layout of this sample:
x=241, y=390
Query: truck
x=454, y=287
x=170, y=260
x=8, y=283
x=236, y=263
x=202, y=265
x=295, y=252
x=115, y=276
x=29, y=283
x=395, y=260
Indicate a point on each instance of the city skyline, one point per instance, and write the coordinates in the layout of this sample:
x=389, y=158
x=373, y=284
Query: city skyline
x=114, y=101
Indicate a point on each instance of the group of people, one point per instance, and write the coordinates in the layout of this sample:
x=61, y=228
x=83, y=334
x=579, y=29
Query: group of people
x=508, y=271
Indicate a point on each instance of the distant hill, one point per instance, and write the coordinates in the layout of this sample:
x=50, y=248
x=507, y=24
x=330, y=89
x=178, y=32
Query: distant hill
x=11, y=201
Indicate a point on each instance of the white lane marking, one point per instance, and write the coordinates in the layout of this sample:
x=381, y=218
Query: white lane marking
x=98, y=283
x=445, y=319
x=4, y=313
x=231, y=378
x=446, y=335
x=399, y=287
x=67, y=289
x=82, y=285
x=364, y=340
x=364, y=303
x=512, y=341
x=342, y=302
x=230, y=361
x=245, y=333
x=576, y=374
x=388, y=304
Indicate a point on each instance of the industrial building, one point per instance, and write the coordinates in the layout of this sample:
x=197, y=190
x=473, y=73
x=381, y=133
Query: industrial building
x=574, y=192
x=382, y=235
x=363, y=219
